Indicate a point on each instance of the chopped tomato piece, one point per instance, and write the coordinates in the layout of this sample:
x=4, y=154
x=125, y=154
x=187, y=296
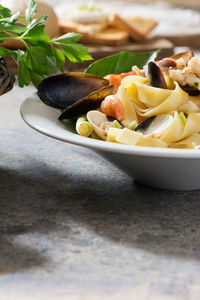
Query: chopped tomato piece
x=122, y=75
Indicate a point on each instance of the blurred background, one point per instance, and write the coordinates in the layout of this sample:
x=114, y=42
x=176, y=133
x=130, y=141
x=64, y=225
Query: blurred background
x=110, y=26
x=187, y=3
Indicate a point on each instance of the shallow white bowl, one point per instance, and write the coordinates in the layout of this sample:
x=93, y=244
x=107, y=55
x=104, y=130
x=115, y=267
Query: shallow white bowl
x=171, y=169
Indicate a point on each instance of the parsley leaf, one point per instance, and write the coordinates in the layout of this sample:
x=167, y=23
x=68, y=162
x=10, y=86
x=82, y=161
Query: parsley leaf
x=23, y=72
x=4, y=12
x=42, y=55
x=31, y=11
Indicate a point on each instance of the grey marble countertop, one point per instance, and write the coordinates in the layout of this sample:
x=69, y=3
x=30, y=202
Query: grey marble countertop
x=72, y=226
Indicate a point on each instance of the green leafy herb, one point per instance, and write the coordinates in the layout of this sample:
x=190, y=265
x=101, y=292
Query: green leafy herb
x=196, y=84
x=133, y=125
x=189, y=111
x=182, y=116
x=4, y=12
x=30, y=11
x=117, y=124
x=42, y=55
x=120, y=63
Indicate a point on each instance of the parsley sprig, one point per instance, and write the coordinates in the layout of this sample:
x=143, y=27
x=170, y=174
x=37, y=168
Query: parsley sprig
x=43, y=55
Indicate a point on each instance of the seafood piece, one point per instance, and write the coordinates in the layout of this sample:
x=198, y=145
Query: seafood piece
x=166, y=63
x=194, y=65
x=183, y=55
x=189, y=82
x=114, y=80
x=156, y=77
x=62, y=90
x=7, y=79
x=155, y=125
x=100, y=123
x=112, y=106
x=143, y=126
x=185, y=69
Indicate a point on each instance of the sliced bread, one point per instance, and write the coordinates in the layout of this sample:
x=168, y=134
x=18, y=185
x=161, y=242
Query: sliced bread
x=137, y=27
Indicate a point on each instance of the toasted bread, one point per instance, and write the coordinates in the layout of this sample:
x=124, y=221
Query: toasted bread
x=97, y=33
x=110, y=36
x=137, y=27
x=88, y=29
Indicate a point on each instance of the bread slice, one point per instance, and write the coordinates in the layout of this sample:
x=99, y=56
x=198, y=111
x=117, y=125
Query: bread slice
x=97, y=33
x=111, y=36
x=137, y=27
x=88, y=29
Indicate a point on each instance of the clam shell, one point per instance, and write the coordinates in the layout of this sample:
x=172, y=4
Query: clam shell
x=96, y=118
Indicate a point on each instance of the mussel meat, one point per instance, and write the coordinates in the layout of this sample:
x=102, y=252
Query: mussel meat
x=7, y=79
x=76, y=93
x=156, y=78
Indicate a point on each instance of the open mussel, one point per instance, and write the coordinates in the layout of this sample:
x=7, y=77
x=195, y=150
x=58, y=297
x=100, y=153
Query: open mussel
x=156, y=78
x=75, y=93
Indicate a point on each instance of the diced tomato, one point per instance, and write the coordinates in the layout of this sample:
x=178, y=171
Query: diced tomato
x=122, y=75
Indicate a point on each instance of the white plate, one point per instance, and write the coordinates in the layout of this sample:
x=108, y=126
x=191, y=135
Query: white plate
x=172, y=169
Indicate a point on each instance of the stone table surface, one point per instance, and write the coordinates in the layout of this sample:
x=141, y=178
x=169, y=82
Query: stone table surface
x=72, y=226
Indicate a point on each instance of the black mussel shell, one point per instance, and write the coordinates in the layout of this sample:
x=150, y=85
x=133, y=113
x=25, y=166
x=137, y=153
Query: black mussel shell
x=90, y=102
x=156, y=78
x=62, y=90
x=191, y=90
x=7, y=79
x=142, y=127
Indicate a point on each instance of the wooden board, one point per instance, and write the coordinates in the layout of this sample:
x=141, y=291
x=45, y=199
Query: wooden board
x=184, y=40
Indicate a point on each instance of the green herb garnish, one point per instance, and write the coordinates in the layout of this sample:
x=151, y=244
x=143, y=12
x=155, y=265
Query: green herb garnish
x=196, y=84
x=182, y=117
x=189, y=111
x=43, y=55
x=133, y=125
x=117, y=124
